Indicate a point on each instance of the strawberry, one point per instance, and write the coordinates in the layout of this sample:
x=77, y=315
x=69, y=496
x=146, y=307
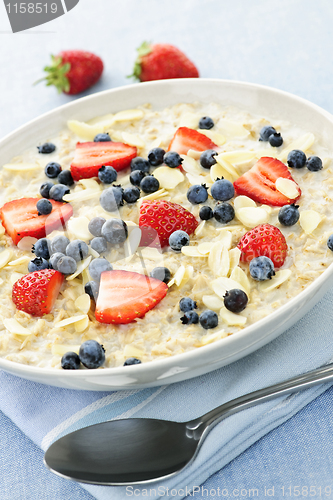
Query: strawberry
x=35, y=293
x=20, y=218
x=159, y=219
x=73, y=71
x=258, y=183
x=187, y=138
x=160, y=61
x=91, y=156
x=264, y=240
x=125, y=296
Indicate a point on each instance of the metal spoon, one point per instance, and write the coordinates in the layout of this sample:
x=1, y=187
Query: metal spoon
x=138, y=450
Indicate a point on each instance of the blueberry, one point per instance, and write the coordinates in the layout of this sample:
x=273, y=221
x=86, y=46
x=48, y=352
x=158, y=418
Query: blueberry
x=261, y=268
x=296, y=159
x=42, y=248
x=46, y=148
x=275, y=140
x=206, y=123
x=187, y=304
x=66, y=265
x=95, y=226
x=207, y=159
x=132, y=361
x=235, y=300
x=288, y=215
x=149, y=184
x=206, y=213
x=190, y=318
x=161, y=273
x=97, y=267
x=65, y=177
x=111, y=198
x=155, y=156
x=266, y=132
x=224, y=213
x=172, y=159
x=92, y=354
x=139, y=163
x=136, y=177
x=52, y=170
x=59, y=244
x=77, y=249
x=178, y=240
x=91, y=288
x=197, y=194
x=58, y=191
x=102, y=138
x=115, y=231
x=107, y=174
x=222, y=190
x=314, y=163
x=131, y=194
x=70, y=361
x=330, y=242
x=44, y=206
x=37, y=264
x=208, y=319
x=45, y=189
x=99, y=244
x=54, y=259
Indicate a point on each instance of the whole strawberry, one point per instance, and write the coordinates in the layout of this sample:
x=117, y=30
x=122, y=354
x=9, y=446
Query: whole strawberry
x=264, y=240
x=160, y=61
x=73, y=71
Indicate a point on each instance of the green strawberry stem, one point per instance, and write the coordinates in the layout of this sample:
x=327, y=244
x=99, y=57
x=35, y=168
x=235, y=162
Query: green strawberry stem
x=143, y=50
x=56, y=74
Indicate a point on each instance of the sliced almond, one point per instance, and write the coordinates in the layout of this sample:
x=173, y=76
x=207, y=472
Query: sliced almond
x=199, y=179
x=194, y=154
x=133, y=241
x=18, y=262
x=309, y=220
x=303, y=143
x=14, y=277
x=85, y=194
x=287, y=187
x=13, y=326
x=221, y=285
x=179, y=275
x=227, y=165
x=192, y=251
x=90, y=184
x=240, y=277
x=205, y=247
x=232, y=319
x=232, y=129
x=61, y=349
x=5, y=257
x=200, y=228
x=252, y=216
x=78, y=226
x=21, y=167
x=189, y=273
x=133, y=140
x=84, y=130
x=168, y=177
x=82, y=325
x=81, y=266
x=243, y=201
x=69, y=321
x=238, y=156
x=128, y=115
x=212, y=302
x=277, y=280
x=102, y=121
x=155, y=196
x=228, y=228
x=214, y=136
x=190, y=120
x=225, y=238
x=83, y=303
x=234, y=256
x=213, y=337
x=217, y=171
x=132, y=351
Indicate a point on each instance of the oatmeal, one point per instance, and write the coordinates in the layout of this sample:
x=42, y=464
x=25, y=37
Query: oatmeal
x=105, y=220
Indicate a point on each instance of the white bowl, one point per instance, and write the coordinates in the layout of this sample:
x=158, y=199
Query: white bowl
x=254, y=98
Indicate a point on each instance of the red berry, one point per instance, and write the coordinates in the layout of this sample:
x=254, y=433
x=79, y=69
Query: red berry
x=36, y=292
x=187, y=138
x=160, y=61
x=125, y=296
x=159, y=219
x=264, y=240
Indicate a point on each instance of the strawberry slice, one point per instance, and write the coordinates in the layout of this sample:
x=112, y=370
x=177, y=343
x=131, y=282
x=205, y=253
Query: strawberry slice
x=20, y=218
x=258, y=183
x=266, y=240
x=35, y=293
x=159, y=219
x=125, y=296
x=187, y=138
x=91, y=156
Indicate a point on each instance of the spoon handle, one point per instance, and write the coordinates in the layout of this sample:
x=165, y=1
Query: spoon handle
x=315, y=377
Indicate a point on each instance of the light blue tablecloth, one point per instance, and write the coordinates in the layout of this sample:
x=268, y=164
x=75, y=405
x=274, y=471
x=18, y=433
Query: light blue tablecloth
x=271, y=448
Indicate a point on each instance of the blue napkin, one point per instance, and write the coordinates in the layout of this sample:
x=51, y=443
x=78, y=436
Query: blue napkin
x=45, y=413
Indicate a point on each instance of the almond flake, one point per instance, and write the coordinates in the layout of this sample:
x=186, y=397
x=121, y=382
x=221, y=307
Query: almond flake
x=69, y=321
x=18, y=262
x=133, y=140
x=83, y=303
x=194, y=154
x=168, y=177
x=229, y=228
x=128, y=115
x=78, y=226
x=81, y=266
x=13, y=326
x=192, y=251
x=82, y=325
x=200, y=228
x=287, y=187
x=236, y=156
x=14, y=277
x=212, y=337
x=199, y=179
x=228, y=167
x=131, y=351
x=277, y=280
x=189, y=120
x=102, y=121
x=234, y=256
x=309, y=220
x=83, y=130
x=90, y=184
x=85, y=194
x=232, y=129
x=252, y=216
x=212, y=302
x=205, y=247
x=217, y=172
x=243, y=201
x=221, y=285
x=217, y=138
x=226, y=239
x=5, y=257
x=21, y=167
x=303, y=143
x=154, y=196
x=231, y=318
x=61, y=349
x=133, y=241
x=240, y=276
x=179, y=275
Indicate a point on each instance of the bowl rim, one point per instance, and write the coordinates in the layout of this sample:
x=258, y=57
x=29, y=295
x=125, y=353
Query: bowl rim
x=177, y=359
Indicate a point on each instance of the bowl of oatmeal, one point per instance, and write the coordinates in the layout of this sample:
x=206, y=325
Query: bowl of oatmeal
x=162, y=203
